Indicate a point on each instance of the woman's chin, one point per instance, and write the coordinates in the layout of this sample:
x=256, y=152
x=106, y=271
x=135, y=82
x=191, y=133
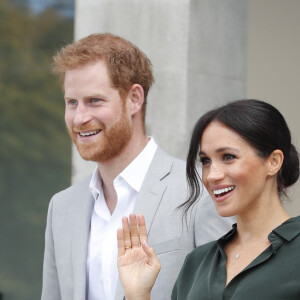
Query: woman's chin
x=224, y=212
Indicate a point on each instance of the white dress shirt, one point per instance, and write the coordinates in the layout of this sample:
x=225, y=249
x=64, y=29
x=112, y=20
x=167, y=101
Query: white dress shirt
x=102, y=271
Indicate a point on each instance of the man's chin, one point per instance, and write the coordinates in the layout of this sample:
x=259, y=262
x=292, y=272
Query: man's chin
x=86, y=153
x=89, y=156
x=97, y=156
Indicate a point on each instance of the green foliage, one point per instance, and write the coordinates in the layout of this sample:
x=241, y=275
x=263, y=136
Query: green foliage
x=35, y=149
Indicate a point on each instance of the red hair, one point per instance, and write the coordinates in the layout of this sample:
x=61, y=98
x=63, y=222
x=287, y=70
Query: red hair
x=126, y=64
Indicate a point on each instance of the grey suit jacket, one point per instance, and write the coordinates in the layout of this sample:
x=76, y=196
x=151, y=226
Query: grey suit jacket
x=164, y=188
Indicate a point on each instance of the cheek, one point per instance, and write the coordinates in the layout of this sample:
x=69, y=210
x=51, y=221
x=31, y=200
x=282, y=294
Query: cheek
x=204, y=177
x=248, y=175
x=107, y=115
x=68, y=118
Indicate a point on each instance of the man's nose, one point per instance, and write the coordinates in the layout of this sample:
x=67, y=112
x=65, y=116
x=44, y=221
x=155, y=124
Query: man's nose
x=82, y=115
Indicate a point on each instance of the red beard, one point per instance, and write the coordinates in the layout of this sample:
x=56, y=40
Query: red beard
x=111, y=143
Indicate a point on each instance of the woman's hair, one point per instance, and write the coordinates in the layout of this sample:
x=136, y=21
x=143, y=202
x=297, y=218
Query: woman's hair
x=261, y=125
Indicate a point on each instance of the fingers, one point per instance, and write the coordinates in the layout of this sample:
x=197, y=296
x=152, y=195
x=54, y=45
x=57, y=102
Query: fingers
x=120, y=238
x=142, y=228
x=132, y=233
x=149, y=251
x=135, y=239
x=126, y=233
x=152, y=257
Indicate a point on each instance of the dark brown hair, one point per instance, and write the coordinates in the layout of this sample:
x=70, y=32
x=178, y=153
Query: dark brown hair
x=261, y=125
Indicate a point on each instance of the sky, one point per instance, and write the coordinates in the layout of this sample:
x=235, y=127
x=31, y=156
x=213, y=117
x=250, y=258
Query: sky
x=66, y=6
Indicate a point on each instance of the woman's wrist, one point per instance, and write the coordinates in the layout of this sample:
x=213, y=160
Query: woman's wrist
x=138, y=297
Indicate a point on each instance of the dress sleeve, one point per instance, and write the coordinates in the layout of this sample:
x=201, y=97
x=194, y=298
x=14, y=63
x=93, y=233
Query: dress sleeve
x=175, y=290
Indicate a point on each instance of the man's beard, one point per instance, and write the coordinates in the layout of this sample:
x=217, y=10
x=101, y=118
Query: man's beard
x=111, y=143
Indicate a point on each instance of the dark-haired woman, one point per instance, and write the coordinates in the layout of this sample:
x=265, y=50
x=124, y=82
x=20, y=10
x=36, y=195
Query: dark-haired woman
x=248, y=162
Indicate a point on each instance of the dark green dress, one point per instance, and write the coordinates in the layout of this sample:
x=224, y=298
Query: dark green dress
x=273, y=275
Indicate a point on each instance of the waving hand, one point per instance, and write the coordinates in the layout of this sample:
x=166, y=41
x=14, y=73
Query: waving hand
x=137, y=262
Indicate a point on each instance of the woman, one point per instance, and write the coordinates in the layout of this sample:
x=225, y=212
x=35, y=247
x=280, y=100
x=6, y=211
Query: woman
x=248, y=161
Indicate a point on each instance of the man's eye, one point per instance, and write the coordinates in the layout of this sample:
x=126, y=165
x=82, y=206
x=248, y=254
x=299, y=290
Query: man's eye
x=95, y=100
x=204, y=160
x=72, y=102
x=229, y=156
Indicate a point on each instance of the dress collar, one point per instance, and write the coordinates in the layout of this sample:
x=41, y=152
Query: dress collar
x=288, y=230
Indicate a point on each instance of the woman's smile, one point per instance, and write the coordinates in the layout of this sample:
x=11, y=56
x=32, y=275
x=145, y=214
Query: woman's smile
x=228, y=167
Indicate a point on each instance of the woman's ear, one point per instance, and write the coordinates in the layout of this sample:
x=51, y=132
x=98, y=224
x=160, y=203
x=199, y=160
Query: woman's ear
x=275, y=161
x=136, y=98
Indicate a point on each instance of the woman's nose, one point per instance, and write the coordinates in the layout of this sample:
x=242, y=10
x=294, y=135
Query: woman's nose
x=215, y=173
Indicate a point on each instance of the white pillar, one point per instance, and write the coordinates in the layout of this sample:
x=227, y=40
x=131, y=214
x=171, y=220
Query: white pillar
x=198, y=52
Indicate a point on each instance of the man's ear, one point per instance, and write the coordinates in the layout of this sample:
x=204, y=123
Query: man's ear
x=135, y=98
x=275, y=161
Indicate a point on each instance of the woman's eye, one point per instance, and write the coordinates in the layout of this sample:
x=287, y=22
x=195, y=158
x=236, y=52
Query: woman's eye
x=229, y=156
x=204, y=160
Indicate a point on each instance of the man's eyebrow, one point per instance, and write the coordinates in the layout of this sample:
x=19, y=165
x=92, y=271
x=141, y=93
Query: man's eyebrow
x=87, y=97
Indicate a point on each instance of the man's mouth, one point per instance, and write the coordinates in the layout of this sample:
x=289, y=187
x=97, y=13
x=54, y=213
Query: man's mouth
x=222, y=192
x=89, y=133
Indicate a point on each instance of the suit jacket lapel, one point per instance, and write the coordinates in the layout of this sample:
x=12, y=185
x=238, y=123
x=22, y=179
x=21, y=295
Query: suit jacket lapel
x=80, y=237
x=151, y=193
x=153, y=186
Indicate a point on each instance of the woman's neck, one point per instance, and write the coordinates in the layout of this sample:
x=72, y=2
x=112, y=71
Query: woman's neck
x=259, y=223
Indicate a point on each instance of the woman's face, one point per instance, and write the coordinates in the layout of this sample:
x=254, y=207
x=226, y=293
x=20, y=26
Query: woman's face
x=232, y=172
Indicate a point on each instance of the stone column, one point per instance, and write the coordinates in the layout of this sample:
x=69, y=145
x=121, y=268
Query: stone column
x=198, y=52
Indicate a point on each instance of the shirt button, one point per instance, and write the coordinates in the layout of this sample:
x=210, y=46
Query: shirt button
x=273, y=235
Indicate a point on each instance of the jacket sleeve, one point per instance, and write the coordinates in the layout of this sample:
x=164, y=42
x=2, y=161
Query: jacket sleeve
x=50, y=290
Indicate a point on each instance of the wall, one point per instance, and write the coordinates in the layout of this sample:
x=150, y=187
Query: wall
x=198, y=52
x=273, y=65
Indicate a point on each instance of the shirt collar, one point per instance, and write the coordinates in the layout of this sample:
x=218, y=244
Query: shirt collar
x=288, y=230
x=135, y=173
x=95, y=183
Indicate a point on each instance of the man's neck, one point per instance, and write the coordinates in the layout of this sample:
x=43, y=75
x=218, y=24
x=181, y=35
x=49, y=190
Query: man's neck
x=110, y=169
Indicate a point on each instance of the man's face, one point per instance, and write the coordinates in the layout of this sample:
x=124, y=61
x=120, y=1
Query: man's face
x=96, y=117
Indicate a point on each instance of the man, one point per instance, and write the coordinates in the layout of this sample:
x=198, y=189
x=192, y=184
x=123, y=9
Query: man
x=106, y=81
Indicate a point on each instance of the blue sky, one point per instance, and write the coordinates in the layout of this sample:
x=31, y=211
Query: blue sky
x=67, y=6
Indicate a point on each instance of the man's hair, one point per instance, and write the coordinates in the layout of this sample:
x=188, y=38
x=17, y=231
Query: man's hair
x=126, y=64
